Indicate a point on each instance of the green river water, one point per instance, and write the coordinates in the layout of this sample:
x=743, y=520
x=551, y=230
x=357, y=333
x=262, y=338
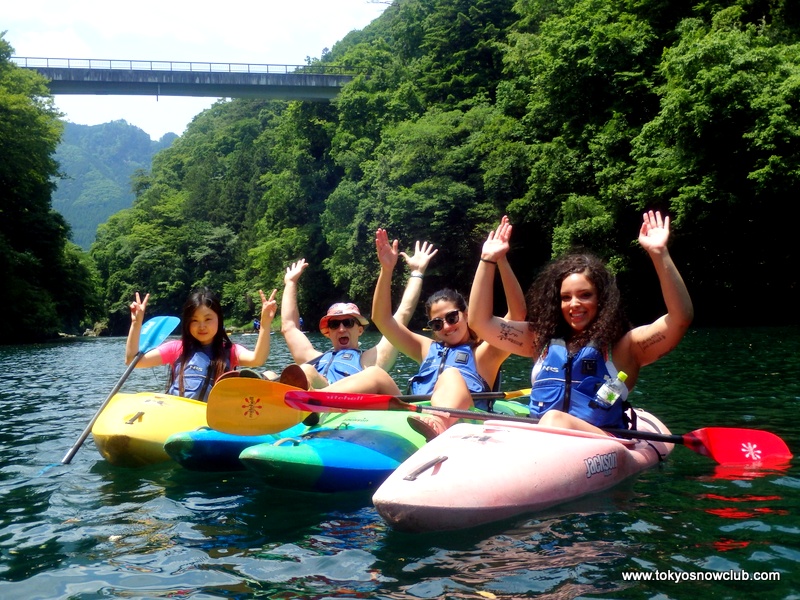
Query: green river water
x=90, y=530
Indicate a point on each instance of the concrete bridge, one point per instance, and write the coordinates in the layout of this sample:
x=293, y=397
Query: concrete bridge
x=170, y=78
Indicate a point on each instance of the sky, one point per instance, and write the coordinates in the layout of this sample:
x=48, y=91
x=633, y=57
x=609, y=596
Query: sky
x=230, y=31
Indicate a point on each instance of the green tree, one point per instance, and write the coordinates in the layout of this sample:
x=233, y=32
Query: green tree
x=461, y=42
x=36, y=264
x=570, y=116
x=425, y=181
x=581, y=87
x=724, y=154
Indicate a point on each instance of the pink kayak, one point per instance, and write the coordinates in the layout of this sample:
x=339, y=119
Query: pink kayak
x=479, y=473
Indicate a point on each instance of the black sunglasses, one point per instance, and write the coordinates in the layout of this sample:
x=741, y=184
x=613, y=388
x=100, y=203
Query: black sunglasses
x=348, y=323
x=452, y=318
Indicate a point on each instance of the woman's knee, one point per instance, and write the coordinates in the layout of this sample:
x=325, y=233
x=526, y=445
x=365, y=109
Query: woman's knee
x=451, y=390
x=554, y=418
x=450, y=378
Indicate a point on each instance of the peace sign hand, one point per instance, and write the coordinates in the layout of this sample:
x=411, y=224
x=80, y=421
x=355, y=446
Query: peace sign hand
x=137, y=309
x=268, y=307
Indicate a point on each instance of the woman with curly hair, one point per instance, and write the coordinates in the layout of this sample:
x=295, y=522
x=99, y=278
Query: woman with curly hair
x=578, y=334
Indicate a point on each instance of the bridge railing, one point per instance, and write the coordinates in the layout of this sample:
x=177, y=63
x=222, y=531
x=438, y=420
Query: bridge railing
x=169, y=65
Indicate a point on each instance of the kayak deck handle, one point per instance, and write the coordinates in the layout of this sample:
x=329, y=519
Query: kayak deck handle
x=137, y=417
x=287, y=440
x=422, y=468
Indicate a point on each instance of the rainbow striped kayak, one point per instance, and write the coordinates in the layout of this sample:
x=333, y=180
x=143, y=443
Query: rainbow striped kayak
x=347, y=451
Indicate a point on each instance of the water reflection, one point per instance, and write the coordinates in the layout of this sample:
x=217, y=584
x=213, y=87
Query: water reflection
x=91, y=530
x=743, y=472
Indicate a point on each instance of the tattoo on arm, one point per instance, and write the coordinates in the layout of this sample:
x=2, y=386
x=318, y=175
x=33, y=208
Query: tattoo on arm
x=510, y=334
x=652, y=340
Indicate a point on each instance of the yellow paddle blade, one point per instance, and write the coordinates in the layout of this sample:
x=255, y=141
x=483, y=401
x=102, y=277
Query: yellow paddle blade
x=244, y=406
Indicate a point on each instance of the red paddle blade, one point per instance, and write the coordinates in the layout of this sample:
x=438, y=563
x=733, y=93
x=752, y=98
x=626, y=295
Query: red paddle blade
x=337, y=402
x=733, y=446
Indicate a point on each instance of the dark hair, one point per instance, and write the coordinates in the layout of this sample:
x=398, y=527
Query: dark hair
x=449, y=295
x=220, y=346
x=544, y=303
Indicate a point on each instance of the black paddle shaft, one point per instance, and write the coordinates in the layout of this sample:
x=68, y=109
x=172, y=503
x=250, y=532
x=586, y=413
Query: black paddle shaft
x=635, y=434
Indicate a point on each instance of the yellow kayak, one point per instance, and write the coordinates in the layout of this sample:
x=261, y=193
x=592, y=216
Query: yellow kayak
x=132, y=428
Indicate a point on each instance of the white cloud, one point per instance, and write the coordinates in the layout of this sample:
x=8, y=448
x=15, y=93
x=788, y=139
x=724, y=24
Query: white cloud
x=243, y=31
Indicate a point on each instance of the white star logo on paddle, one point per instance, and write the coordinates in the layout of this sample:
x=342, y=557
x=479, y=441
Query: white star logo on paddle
x=751, y=451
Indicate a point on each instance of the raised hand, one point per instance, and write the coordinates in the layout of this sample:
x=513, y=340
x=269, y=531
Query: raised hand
x=422, y=256
x=496, y=245
x=654, y=233
x=268, y=307
x=294, y=271
x=387, y=251
x=138, y=307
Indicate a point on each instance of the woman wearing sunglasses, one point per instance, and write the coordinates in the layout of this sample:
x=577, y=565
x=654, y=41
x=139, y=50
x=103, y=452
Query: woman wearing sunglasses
x=577, y=331
x=454, y=363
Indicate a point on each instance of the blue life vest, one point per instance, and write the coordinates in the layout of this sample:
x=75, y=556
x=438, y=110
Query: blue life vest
x=587, y=370
x=334, y=365
x=197, y=380
x=440, y=357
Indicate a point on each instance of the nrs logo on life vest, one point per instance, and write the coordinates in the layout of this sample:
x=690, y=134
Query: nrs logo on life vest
x=601, y=463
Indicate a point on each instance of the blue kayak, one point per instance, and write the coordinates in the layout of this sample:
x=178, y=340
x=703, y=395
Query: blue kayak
x=206, y=449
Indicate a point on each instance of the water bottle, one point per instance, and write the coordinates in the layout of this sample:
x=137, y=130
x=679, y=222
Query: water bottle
x=610, y=391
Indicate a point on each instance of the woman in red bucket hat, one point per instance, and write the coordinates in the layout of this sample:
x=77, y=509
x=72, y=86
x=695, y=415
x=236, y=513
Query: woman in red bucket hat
x=343, y=325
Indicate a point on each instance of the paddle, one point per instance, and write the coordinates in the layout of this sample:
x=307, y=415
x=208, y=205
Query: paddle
x=725, y=445
x=475, y=396
x=337, y=402
x=244, y=406
x=154, y=331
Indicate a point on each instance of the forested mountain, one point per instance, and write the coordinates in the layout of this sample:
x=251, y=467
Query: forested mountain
x=571, y=116
x=97, y=163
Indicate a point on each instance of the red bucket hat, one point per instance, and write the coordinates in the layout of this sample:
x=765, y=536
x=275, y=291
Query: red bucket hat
x=341, y=309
